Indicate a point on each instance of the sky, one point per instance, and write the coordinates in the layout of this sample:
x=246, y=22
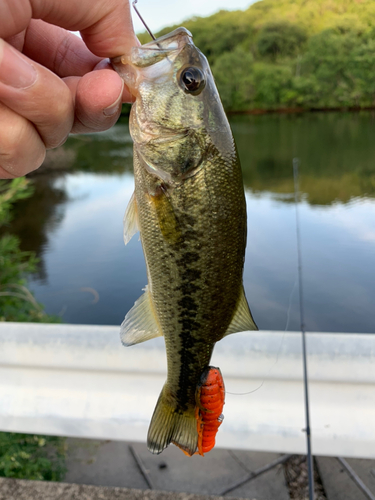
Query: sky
x=168, y=12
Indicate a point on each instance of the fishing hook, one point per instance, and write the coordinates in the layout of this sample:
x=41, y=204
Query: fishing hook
x=143, y=21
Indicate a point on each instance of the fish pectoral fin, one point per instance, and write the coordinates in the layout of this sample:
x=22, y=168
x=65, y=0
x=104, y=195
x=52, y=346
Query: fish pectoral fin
x=171, y=426
x=140, y=323
x=130, y=220
x=242, y=320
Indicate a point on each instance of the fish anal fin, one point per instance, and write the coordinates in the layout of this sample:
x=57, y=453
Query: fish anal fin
x=130, y=220
x=242, y=320
x=169, y=425
x=140, y=323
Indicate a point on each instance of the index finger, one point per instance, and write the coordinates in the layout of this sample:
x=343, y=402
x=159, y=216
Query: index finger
x=106, y=25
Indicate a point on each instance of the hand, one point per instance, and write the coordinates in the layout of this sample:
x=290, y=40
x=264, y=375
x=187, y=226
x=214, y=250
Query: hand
x=53, y=83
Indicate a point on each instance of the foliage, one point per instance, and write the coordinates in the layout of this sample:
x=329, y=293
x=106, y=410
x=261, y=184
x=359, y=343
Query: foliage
x=280, y=38
x=291, y=53
x=22, y=455
x=26, y=456
x=215, y=34
x=16, y=302
x=234, y=78
x=9, y=194
x=272, y=84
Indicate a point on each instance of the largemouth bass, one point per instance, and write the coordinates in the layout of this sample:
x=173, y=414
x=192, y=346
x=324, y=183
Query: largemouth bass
x=189, y=207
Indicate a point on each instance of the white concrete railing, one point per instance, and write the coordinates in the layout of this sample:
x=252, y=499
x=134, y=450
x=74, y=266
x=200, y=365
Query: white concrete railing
x=76, y=380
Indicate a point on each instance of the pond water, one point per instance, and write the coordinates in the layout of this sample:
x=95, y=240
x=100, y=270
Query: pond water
x=86, y=274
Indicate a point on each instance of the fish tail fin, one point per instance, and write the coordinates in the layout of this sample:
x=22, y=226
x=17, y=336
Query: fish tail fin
x=171, y=425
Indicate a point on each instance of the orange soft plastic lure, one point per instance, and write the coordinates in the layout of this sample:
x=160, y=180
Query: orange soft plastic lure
x=210, y=399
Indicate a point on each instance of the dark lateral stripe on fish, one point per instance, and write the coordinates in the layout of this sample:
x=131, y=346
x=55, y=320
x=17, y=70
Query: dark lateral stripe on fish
x=187, y=318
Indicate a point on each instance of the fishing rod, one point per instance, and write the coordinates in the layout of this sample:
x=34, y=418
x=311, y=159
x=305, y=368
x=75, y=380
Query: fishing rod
x=310, y=466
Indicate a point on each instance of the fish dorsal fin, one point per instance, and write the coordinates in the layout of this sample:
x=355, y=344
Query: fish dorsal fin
x=130, y=220
x=242, y=320
x=140, y=323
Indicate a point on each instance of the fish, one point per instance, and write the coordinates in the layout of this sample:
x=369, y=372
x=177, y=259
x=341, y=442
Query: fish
x=189, y=207
x=210, y=398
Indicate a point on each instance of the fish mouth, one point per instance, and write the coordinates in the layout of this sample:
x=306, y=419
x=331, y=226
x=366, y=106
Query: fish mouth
x=164, y=42
x=155, y=51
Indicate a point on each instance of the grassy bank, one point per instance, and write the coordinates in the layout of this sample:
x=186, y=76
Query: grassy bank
x=22, y=455
x=27, y=456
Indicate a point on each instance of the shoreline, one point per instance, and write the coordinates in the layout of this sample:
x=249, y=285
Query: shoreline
x=288, y=111
x=299, y=110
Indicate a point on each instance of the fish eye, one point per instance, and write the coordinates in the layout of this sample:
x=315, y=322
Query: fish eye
x=192, y=80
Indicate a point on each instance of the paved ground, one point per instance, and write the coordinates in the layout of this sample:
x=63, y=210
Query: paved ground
x=112, y=470
x=111, y=463
x=16, y=489
x=220, y=472
x=347, y=479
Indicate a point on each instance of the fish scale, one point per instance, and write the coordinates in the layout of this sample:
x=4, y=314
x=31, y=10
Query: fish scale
x=190, y=209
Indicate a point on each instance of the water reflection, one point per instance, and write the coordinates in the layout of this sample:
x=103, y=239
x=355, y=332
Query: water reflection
x=92, y=278
x=36, y=218
x=338, y=248
x=336, y=152
x=74, y=223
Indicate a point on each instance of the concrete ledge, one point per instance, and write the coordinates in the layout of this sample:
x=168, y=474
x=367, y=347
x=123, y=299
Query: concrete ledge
x=78, y=381
x=18, y=489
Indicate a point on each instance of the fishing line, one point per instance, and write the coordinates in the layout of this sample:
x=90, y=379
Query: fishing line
x=143, y=21
x=244, y=393
x=145, y=25
x=310, y=467
x=278, y=350
x=290, y=305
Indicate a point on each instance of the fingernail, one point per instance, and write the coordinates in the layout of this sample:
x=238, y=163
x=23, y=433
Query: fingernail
x=113, y=108
x=15, y=71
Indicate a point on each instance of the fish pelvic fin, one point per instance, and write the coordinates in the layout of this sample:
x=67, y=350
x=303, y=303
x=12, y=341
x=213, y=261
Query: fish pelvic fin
x=131, y=225
x=242, y=320
x=140, y=324
x=171, y=425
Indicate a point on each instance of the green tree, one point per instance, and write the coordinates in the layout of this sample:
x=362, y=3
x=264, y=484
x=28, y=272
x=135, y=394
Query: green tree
x=280, y=38
x=306, y=53
x=361, y=66
x=233, y=72
x=272, y=84
x=215, y=34
x=327, y=58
